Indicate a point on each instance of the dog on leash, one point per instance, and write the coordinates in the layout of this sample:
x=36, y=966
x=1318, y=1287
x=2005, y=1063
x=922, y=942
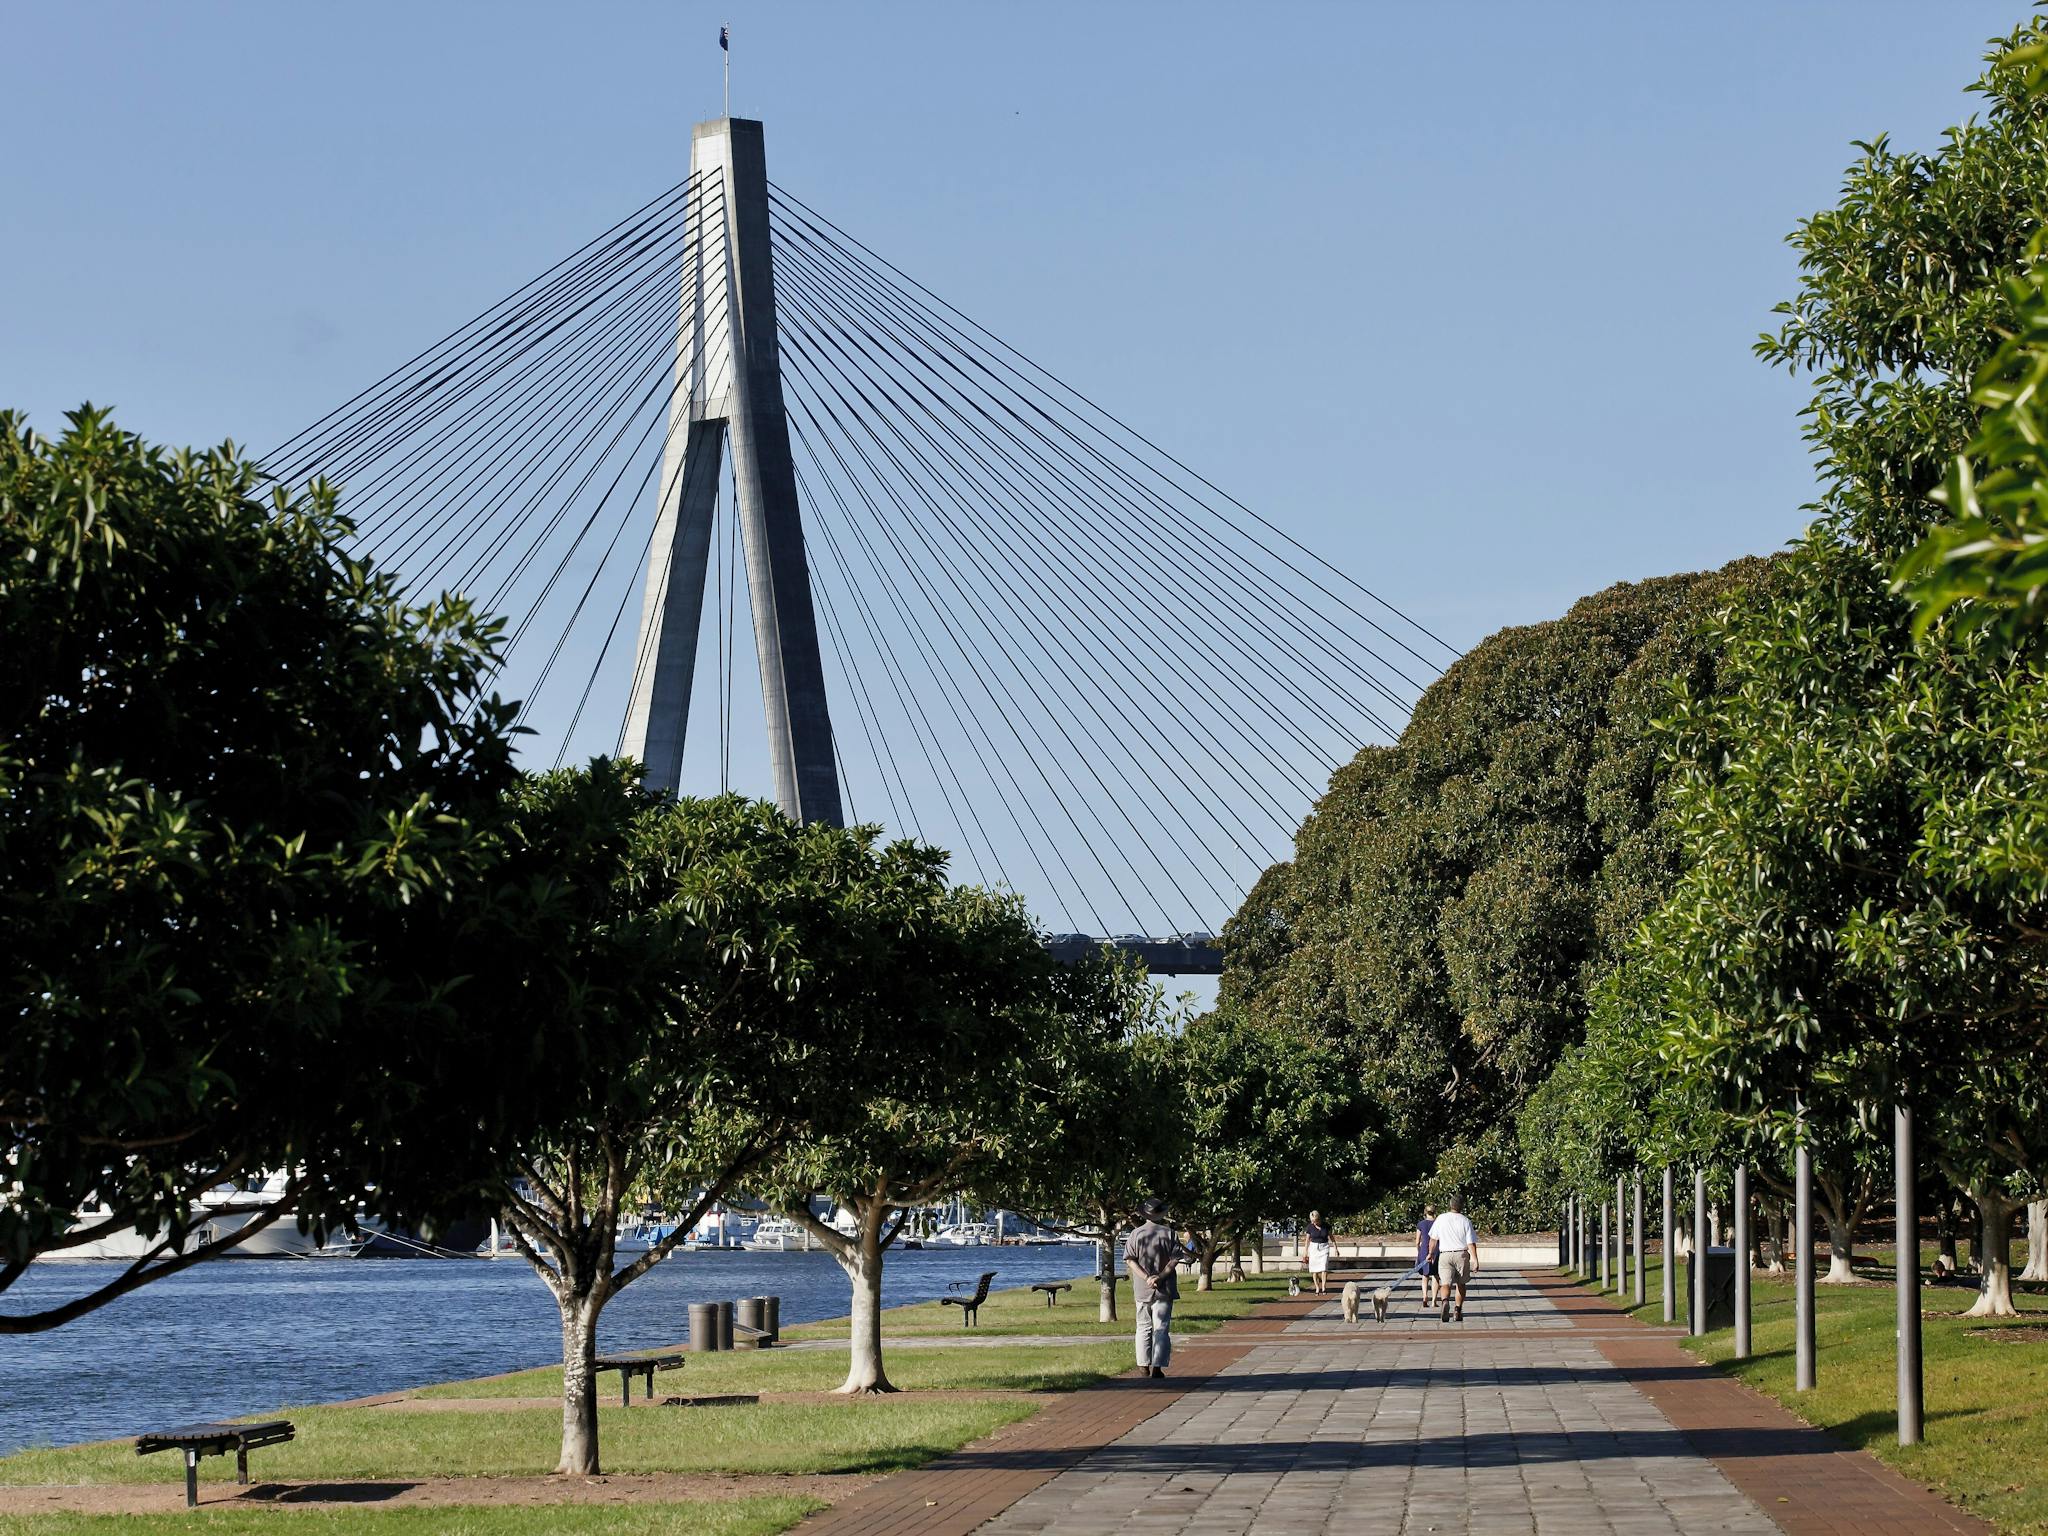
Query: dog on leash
x=1381, y=1299
x=1293, y=1286
x=1350, y=1301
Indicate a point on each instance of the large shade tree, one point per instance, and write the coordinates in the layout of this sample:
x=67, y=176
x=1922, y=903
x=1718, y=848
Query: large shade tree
x=243, y=793
x=689, y=973
x=954, y=1032
x=1088, y=1171
x=1454, y=899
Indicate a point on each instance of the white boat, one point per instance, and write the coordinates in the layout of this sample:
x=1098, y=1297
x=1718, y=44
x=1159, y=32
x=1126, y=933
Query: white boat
x=777, y=1234
x=227, y=1208
x=637, y=1237
x=966, y=1234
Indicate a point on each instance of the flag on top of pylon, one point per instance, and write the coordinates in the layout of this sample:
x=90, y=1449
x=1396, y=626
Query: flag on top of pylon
x=724, y=41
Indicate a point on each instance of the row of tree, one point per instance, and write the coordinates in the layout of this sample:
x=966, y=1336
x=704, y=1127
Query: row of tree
x=276, y=897
x=1718, y=865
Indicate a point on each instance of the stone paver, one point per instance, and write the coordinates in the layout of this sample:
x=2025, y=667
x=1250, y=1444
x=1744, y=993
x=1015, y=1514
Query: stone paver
x=1468, y=1428
x=1546, y=1413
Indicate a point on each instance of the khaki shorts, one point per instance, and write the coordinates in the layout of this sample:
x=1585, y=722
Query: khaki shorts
x=1455, y=1266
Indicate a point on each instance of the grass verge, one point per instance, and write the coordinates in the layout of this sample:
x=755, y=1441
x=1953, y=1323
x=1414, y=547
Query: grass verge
x=735, y=1517
x=1985, y=1386
x=998, y=1368
x=1024, y=1311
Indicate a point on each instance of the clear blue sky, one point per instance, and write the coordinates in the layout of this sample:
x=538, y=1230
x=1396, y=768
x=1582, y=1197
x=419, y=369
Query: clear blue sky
x=1463, y=296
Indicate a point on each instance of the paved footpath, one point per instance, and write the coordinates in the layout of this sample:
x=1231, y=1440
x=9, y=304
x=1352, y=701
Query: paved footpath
x=1545, y=1411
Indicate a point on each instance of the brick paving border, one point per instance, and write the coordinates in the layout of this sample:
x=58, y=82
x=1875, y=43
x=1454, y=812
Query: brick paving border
x=1802, y=1477
x=962, y=1491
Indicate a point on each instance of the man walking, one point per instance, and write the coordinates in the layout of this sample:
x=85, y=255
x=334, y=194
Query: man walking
x=1455, y=1248
x=1150, y=1254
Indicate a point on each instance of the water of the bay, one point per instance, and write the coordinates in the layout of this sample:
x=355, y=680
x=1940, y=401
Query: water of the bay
x=248, y=1335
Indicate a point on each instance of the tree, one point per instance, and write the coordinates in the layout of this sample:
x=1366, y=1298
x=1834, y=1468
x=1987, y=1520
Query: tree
x=1454, y=899
x=692, y=972
x=1863, y=904
x=952, y=1033
x=1088, y=1172
x=1272, y=1124
x=244, y=802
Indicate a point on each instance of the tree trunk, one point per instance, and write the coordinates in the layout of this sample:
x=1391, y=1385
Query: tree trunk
x=1780, y=1239
x=1995, y=1211
x=1236, y=1272
x=1841, y=1248
x=579, y=1385
x=1205, y=1279
x=862, y=1261
x=2037, y=1241
x=1105, y=1277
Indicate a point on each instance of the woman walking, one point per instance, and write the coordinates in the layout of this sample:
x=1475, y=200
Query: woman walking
x=1422, y=1259
x=1318, y=1252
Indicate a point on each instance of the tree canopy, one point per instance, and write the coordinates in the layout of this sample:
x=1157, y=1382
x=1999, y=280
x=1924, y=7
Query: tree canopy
x=244, y=795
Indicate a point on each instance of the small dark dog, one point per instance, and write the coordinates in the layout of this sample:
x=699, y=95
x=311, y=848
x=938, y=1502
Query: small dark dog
x=1350, y=1301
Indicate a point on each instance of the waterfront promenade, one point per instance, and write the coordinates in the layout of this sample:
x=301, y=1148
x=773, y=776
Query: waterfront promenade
x=1546, y=1411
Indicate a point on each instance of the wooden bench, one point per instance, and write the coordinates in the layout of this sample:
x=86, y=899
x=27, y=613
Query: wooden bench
x=197, y=1440
x=629, y=1366
x=970, y=1306
x=1052, y=1289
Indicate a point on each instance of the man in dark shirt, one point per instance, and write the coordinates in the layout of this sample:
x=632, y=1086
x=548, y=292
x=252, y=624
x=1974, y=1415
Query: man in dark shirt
x=1150, y=1254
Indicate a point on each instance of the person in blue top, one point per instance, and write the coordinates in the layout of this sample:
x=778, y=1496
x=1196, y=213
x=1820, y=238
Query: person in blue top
x=1422, y=1263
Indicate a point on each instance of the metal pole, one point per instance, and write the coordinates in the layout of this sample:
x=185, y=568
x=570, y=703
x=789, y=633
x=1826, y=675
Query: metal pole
x=1603, y=1242
x=1669, y=1233
x=1742, y=1261
x=1642, y=1293
x=1802, y=1263
x=1620, y=1238
x=1699, y=1251
x=1905, y=1198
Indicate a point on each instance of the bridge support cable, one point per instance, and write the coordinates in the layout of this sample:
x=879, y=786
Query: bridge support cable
x=1136, y=445
x=1134, y=508
x=982, y=586
x=1096, y=577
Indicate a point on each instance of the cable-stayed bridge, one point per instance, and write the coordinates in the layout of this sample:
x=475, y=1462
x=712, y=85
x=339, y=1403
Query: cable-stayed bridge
x=980, y=609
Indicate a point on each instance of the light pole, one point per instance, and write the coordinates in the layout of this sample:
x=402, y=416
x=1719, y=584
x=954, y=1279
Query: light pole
x=1669, y=1234
x=1905, y=1197
x=1742, y=1261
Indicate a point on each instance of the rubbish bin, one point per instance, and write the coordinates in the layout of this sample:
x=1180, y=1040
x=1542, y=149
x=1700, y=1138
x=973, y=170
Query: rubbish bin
x=1720, y=1290
x=748, y=1326
x=703, y=1327
x=771, y=1317
x=724, y=1324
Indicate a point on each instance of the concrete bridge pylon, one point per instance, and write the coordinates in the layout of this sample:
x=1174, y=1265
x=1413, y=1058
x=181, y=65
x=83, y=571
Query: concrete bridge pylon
x=729, y=393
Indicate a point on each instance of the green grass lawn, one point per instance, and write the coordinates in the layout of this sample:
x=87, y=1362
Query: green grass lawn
x=1024, y=1311
x=736, y=1517
x=872, y=1435
x=1986, y=1386
x=1003, y=1368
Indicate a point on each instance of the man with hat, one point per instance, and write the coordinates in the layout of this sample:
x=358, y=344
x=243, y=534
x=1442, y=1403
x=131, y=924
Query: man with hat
x=1150, y=1254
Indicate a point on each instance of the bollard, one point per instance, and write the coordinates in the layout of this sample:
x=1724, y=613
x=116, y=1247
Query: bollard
x=1669, y=1233
x=703, y=1327
x=771, y=1309
x=748, y=1325
x=724, y=1324
x=1642, y=1294
x=1741, y=1246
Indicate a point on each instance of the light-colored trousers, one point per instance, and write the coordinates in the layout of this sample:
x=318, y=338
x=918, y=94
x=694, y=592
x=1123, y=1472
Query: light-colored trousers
x=1155, y=1343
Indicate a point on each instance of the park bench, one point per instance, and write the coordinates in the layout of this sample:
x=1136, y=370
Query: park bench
x=629, y=1366
x=1052, y=1289
x=197, y=1440
x=970, y=1306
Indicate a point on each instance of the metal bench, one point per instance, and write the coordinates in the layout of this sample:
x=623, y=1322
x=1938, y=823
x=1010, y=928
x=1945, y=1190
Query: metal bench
x=197, y=1440
x=629, y=1366
x=1052, y=1289
x=970, y=1306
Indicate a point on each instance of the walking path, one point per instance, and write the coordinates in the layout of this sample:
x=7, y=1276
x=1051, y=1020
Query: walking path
x=1545, y=1411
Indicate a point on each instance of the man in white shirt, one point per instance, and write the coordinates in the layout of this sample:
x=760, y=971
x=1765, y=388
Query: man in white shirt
x=1455, y=1247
